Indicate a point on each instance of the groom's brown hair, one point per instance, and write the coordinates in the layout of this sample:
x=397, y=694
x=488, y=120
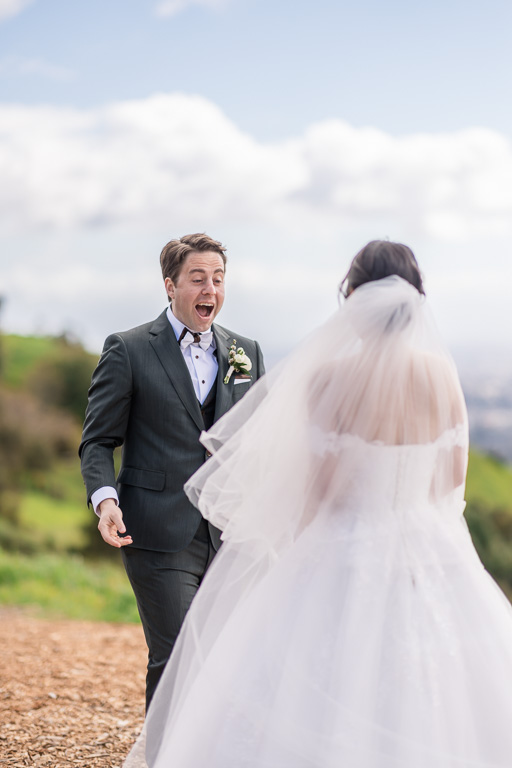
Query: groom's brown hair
x=176, y=251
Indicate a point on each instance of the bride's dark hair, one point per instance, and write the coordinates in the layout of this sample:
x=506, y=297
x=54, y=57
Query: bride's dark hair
x=378, y=259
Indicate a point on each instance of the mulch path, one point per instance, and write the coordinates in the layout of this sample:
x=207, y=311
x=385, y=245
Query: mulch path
x=71, y=692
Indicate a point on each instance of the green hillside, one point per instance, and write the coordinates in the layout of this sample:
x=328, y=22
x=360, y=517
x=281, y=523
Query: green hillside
x=489, y=515
x=489, y=481
x=52, y=558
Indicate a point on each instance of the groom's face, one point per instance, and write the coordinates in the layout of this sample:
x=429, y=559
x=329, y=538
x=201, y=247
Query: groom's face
x=198, y=294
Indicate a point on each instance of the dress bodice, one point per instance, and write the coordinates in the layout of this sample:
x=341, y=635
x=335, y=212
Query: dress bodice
x=397, y=479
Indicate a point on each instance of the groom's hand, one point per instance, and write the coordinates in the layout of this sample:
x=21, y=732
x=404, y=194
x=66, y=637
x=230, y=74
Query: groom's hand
x=111, y=524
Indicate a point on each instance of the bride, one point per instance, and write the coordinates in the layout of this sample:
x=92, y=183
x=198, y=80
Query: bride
x=347, y=621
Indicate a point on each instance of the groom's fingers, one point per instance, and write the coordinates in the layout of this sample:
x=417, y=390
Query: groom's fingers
x=111, y=525
x=109, y=531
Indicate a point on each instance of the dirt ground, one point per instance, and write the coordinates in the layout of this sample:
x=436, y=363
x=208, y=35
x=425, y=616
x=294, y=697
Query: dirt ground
x=71, y=692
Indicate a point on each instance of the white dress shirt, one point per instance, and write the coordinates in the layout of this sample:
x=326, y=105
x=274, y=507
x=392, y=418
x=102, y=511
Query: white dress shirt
x=202, y=366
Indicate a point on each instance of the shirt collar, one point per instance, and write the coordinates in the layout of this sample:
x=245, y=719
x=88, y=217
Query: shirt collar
x=177, y=325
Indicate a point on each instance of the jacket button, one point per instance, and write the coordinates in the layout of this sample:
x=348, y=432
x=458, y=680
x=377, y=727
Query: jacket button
x=207, y=454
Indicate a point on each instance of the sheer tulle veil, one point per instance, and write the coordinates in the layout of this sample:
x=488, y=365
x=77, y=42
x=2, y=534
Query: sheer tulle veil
x=338, y=483
x=377, y=370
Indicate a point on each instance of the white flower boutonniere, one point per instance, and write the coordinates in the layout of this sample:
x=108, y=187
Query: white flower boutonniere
x=239, y=362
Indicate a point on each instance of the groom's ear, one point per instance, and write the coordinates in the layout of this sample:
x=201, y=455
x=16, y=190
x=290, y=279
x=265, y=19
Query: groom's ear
x=169, y=287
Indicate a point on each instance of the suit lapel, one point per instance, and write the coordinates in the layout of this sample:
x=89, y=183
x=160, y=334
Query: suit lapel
x=224, y=399
x=168, y=351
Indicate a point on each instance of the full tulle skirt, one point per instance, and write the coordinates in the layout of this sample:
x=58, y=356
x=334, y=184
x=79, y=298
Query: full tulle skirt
x=365, y=644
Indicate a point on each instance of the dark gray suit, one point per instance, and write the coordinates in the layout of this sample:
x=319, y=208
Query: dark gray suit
x=142, y=398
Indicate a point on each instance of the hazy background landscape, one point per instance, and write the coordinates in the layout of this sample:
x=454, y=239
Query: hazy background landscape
x=292, y=131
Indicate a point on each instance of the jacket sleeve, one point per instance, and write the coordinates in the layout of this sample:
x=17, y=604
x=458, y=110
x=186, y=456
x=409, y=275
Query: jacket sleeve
x=107, y=415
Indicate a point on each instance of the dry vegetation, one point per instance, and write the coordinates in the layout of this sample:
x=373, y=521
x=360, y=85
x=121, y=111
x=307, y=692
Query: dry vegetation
x=71, y=692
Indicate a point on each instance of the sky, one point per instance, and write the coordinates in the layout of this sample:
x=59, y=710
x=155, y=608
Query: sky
x=292, y=131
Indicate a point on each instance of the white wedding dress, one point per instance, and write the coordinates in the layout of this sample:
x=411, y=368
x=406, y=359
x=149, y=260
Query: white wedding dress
x=347, y=621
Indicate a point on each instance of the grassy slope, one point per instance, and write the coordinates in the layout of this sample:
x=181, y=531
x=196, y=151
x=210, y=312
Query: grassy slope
x=55, y=523
x=56, y=579
x=68, y=586
x=53, y=514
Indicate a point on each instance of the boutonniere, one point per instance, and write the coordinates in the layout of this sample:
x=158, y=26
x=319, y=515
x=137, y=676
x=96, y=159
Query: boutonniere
x=239, y=362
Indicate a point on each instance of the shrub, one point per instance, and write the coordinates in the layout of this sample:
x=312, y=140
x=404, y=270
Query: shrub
x=31, y=438
x=491, y=531
x=62, y=379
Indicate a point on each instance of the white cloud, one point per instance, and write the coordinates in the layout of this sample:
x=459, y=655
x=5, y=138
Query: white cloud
x=89, y=197
x=14, y=66
x=10, y=8
x=173, y=7
x=178, y=157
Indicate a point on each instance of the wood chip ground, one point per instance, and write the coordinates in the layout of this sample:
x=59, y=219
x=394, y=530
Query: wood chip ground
x=71, y=692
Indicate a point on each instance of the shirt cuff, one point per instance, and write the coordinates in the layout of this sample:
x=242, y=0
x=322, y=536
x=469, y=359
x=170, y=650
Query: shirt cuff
x=107, y=492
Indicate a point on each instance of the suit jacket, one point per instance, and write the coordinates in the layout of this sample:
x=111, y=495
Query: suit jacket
x=142, y=398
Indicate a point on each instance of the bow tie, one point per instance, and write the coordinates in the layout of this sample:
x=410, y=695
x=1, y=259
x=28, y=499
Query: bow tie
x=190, y=337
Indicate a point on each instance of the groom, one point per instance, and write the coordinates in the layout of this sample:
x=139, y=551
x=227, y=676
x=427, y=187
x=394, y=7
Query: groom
x=156, y=387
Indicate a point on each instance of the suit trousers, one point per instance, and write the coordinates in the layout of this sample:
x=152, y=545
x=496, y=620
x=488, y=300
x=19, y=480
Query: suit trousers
x=165, y=584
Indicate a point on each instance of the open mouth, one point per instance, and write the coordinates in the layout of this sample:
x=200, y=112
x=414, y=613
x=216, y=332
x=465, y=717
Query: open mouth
x=204, y=310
